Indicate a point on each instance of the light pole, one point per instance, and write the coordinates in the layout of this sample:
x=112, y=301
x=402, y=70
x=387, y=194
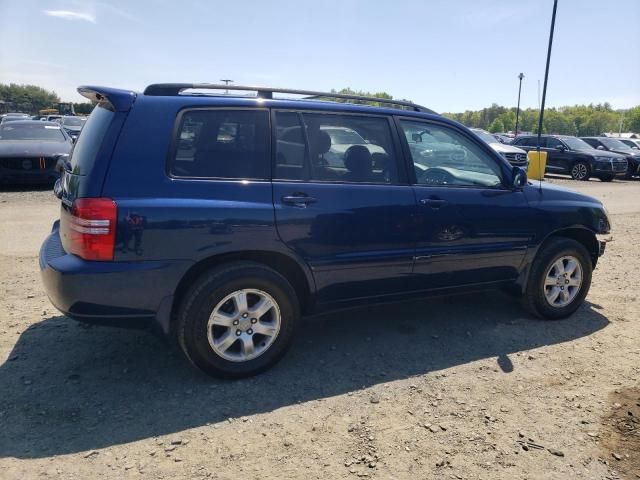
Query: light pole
x=521, y=76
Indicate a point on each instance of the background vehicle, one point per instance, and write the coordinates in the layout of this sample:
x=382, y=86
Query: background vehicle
x=12, y=117
x=514, y=155
x=217, y=231
x=72, y=125
x=570, y=155
x=631, y=142
x=30, y=150
x=615, y=145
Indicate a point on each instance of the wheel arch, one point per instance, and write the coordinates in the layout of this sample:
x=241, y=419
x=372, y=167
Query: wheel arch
x=583, y=235
x=298, y=276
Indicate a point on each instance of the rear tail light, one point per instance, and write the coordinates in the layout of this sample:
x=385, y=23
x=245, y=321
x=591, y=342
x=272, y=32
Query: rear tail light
x=91, y=228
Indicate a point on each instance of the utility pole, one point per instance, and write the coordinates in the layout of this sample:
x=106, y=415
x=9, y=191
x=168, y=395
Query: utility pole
x=546, y=74
x=226, y=81
x=521, y=76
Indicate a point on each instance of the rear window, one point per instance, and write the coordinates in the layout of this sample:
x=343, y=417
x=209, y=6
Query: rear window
x=86, y=149
x=230, y=144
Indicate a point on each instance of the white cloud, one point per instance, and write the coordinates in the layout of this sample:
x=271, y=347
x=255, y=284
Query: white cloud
x=69, y=15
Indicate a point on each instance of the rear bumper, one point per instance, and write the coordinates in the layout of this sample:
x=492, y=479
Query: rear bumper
x=124, y=294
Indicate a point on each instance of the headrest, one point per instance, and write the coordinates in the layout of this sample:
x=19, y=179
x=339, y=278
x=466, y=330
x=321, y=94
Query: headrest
x=357, y=159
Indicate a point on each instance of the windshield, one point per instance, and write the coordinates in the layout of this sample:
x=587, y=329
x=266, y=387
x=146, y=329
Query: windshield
x=486, y=136
x=344, y=137
x=576, y=143
x=12, y=131
x=613, y=143
x=73, y=121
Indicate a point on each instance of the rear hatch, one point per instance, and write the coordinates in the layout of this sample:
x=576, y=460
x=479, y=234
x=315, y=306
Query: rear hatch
x=87, y=221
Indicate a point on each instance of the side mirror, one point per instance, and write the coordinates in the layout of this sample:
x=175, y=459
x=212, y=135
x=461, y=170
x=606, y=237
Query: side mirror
x=416, y=137
x=599, y=147
x=562, y=148
x=57, y=188
x=518, y=178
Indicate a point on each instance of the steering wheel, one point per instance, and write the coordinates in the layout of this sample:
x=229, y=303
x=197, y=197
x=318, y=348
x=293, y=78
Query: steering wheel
x=435, y=176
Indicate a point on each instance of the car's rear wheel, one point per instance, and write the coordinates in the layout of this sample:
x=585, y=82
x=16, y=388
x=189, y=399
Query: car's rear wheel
x=238, y=320
x=580, y=171
x=559, y=280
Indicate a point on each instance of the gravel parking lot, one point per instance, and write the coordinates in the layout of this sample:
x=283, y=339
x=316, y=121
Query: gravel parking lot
x=463, y=387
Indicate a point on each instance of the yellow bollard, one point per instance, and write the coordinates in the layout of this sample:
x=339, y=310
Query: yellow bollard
x=537, y=165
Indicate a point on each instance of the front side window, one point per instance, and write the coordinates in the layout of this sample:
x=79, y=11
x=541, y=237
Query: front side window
x=231, y=144
x=442, y=156
x=553, y=143
x=334, y=148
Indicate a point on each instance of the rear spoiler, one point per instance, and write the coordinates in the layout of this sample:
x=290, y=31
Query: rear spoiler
x=111, y=98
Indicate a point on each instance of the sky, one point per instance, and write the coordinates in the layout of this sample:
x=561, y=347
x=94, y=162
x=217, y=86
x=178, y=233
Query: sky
x=448, y=55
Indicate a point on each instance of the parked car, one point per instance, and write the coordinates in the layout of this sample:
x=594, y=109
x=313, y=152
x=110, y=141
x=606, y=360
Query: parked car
x=514, y=155
x=30, y=150
x=13, y=118
x=72, y=125
x=225, y=239
x=52, y=118
x=573, y=156
x=614, y=145
x=504, y=138
x=631, y=142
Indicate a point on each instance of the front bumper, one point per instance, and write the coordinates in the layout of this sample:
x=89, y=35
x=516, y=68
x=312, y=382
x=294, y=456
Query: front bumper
x=124, y=294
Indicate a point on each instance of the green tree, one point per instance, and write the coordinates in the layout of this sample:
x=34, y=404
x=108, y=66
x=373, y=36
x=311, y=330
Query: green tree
x=496, y=126
x=27, y=98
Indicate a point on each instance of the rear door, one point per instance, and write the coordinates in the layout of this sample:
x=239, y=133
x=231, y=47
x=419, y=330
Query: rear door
x=342, y=201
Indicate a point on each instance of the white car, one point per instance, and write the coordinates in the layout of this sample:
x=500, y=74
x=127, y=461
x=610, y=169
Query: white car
x=514, y=155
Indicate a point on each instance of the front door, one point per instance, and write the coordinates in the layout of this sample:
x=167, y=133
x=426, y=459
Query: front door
x=471, y=228
x=342, y=201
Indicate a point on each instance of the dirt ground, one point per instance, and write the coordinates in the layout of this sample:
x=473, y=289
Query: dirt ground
x=463, y=387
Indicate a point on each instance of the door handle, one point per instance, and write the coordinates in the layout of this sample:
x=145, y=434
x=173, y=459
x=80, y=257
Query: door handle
x=434, y=203
x=298, y=200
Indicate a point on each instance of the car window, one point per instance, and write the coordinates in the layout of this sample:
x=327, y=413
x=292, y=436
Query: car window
x=444, y=156
x=86, y=148
x=230, y=144
x=553, y=142
x=31, y=131
x=594, y=143
x=334, y=148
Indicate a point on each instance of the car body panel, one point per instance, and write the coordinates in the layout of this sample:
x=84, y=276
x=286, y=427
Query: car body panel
x=355, y=242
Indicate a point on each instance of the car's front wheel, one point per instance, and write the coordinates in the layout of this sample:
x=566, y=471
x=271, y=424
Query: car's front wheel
x=559, y=280
x=238, y=320
x=580, y=171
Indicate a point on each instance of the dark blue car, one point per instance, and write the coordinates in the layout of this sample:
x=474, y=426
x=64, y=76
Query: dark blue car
x=221, y=219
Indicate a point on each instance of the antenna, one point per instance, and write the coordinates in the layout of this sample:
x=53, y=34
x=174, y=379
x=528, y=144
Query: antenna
x=544, y=89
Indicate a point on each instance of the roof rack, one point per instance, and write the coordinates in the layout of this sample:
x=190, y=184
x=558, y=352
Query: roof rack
x=171, y=89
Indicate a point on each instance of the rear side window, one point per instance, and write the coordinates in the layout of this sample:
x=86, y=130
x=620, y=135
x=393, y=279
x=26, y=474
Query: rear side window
x=86, y=148
x=328, y=147
x=230, y=144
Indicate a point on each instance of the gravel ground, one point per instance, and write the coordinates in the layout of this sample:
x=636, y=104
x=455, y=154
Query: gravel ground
x=463, y=387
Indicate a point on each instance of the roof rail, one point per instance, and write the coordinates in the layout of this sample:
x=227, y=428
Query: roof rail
x=171, y=89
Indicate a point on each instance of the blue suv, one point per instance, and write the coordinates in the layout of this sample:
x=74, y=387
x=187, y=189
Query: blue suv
x=221, y=219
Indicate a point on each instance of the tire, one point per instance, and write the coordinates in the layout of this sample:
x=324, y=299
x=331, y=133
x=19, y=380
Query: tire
x=581, y=171
x=257, y=282
x=606, y=179
x=535, y=297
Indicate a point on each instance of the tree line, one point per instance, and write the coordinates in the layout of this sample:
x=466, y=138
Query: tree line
x=32, y=98
x=580, y=120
